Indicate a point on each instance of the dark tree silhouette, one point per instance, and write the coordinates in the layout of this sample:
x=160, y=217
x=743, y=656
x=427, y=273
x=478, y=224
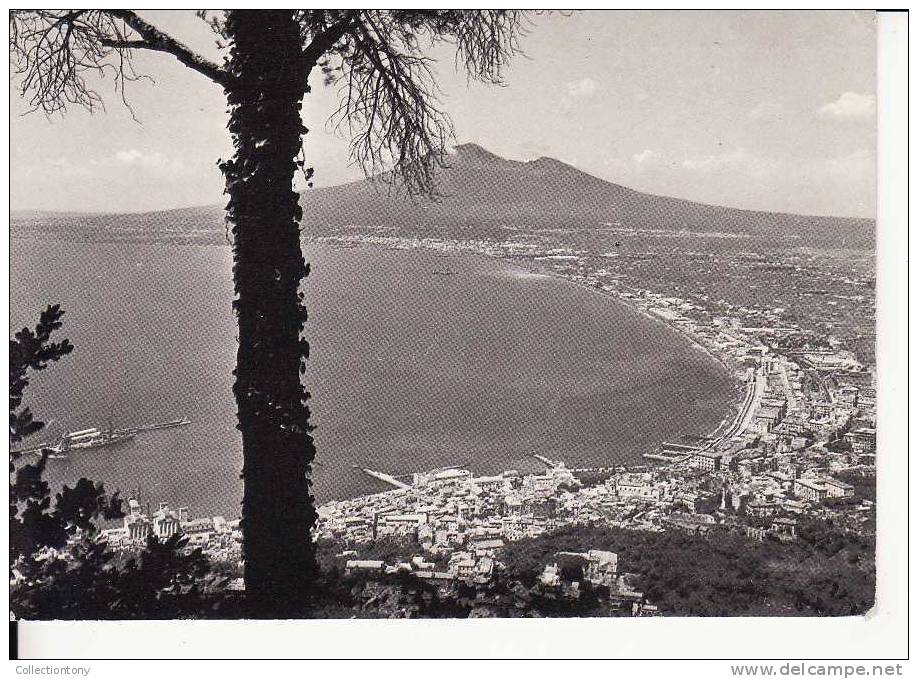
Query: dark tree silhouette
x=166, y=579
x=388, y=107
x=32, y=350
x=34, y=523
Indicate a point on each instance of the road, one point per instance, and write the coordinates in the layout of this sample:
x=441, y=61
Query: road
x=754, y=391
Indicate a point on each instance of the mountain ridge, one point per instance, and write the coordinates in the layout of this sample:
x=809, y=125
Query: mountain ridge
x=478, y=192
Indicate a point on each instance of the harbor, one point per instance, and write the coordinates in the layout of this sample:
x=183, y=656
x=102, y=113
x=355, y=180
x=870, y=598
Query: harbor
x=98, y=437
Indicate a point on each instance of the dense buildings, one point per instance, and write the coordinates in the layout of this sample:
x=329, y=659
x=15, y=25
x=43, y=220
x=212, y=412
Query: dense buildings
x=807, y=417
x=801, y=442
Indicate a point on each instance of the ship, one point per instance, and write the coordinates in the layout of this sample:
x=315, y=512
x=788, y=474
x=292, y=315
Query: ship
x=93, y=437
x=98, y=437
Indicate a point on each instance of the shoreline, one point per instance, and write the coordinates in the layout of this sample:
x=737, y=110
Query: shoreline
x=504, y=264
x=734, y=410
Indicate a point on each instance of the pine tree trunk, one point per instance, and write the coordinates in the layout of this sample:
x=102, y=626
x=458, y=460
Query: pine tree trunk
x=268, y=79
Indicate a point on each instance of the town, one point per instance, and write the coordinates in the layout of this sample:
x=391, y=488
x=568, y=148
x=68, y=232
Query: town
x=801, y=443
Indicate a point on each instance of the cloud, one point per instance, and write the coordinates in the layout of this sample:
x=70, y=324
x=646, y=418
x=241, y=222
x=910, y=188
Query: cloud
x=735, y=163
x=128, y=157
x=63, y=168
x=766, y=110
x=748, y=177
x=645, y=156
x=148, y=160
x=851, y=106
x=582, y=89
x=718, y=162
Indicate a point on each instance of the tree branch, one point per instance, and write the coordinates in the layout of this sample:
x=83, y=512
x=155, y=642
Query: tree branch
x=388, y=94
x=155, y=39
x=326, y=39
x=124, y=44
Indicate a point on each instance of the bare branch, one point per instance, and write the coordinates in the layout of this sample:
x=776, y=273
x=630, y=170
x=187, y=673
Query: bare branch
x=125, y=44
x=324, y=40
x=53, y=52
x=155, y=39
x=388, y=98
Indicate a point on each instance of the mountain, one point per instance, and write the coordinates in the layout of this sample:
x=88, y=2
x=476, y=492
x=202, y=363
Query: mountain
x=478, y=188
x=480, y=192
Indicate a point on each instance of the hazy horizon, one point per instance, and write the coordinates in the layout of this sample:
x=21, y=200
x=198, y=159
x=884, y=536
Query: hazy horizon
x=217, y=206
x=769, y=110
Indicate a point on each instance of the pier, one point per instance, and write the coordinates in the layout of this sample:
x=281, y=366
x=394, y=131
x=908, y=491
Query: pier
x=382, y=476
x=183, y=422
x=544, y=460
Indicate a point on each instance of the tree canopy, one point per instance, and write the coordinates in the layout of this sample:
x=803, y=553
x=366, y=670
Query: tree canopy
x=387, y=91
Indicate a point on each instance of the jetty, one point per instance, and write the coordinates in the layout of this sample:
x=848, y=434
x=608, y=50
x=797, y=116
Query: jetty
x=183, y=422
x=544, y=460
x=382, y=476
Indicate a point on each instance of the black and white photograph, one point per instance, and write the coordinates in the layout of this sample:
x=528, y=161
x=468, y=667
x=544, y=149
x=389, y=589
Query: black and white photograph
x=411, y=314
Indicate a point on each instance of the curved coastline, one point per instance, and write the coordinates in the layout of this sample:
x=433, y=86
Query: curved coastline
x=733, y=410
x=211, y=432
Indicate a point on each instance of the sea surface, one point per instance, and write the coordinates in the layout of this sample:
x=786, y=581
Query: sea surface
x=419, y=360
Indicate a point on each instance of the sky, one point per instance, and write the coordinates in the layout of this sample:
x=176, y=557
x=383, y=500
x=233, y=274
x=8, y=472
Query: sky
x=762, y=110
